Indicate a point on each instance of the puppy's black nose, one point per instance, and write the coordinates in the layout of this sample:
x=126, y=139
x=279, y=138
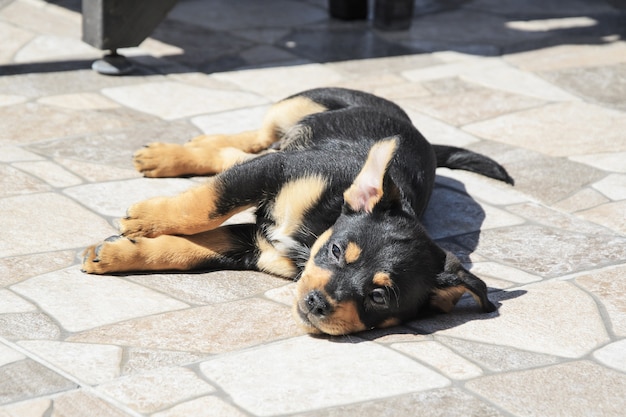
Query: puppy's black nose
x=317, y=304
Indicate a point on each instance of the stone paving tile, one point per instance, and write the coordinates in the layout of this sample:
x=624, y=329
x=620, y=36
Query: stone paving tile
x=16, y=182
x=612, y=215
x=569, y=56
x=529, y=129
x=11, y=303
x=152, y=391
x=80, y=302
x=607, y=161
x=295, y=374
x=138, y=360
x=557, y=334
x=447, y=402
x=603, y=85
x=613, y=355
x=14, y=269
x=202, y=407
x=584, y=199
x=53, y=233
x=591, y=390
x=441, y=358
x=89, y=363
x=113, y=198
x=608, y=286
x=16, y=326
x=171, y=100
x=613, y=186
x=198, y=330
x=27, y=379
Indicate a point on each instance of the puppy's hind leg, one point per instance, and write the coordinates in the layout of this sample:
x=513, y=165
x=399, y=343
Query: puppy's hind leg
x=212, y=154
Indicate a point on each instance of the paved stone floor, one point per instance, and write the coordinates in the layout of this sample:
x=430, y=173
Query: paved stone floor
x=537, y=85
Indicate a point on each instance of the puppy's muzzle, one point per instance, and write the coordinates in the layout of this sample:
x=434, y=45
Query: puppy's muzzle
x=315, y=306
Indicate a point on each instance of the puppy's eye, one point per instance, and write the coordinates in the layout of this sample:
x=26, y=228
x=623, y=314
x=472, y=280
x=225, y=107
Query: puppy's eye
x=336, y=251
x=378, y=297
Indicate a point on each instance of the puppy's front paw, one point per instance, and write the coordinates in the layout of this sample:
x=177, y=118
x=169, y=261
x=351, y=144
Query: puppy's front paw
x=159, y=160
x=115, y=254
x=147, y=218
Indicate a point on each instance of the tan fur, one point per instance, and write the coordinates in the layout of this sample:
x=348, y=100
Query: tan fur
x=382, y=279
x=157, y=254
x=274, y=262
x=185, y=214
x=353, y=252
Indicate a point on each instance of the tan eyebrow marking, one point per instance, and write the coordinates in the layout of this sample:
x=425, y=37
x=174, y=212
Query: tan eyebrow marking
x=353, y=252
x=383, y=279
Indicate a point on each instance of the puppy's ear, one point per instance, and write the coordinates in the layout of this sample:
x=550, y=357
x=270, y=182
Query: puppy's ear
x=455, y=281
x=367, y=189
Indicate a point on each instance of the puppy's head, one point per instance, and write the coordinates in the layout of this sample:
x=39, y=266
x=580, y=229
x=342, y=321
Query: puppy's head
x=376, y=266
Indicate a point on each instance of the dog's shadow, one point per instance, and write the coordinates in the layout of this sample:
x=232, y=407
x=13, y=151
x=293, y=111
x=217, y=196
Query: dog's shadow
x=454, y=220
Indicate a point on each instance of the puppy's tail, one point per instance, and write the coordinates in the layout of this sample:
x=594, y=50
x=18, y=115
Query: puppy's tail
x=458, y=158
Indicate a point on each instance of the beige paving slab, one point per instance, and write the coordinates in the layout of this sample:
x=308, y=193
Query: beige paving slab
x=29, y=408
x=436, y=131
x=446, y=402
x=609, y=287
x=139, y=360
x=28, y=379
x=35, y=122
x=21, y=219
x=473, y=105
x=11, y=303
x=572, y=389
x=212, y=287
x=16, y=153
x=279, y=83
x=9, y=355
x=80, y=101
x=43, y=17
x=14, y=269
x=569, y=127
x=155, y=390
x=614, y=161
x=495, y=357
x=584, y=199
x=611, y=215
x=16, y=182
x=520, y=323
x=234, y=121
x=81, y=403
x=202, y=407
x=442, y=358
x=13, y=38
x=546, y=251
x=113, y=198
x=29, y=325
x=484, y=189
x=216, y=328
x=307, y=373
x=9, y=100
x=53, y=47
x=96, y=172
x=613, y=186
x=613, y=355
x=50, y=172
x=497, y=270
x=171, y=100
x=569, y=56
x=89, y=363
x=80, y=301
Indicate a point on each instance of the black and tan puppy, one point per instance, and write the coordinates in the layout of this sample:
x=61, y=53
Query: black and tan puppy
x=339, y=180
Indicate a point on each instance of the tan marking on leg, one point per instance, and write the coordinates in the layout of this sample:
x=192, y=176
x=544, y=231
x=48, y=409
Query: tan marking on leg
x=292, y=203
x=156, y=254
x=382, y=279
x=272, y=261
x=353, y=252
x=188, y=213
